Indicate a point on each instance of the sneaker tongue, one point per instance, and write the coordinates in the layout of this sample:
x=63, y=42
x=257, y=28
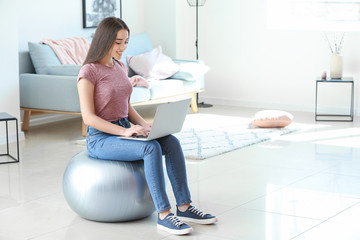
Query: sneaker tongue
x=197, y=211
x=174, y=220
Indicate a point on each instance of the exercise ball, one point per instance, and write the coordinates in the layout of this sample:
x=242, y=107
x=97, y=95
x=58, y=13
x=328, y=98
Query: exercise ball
x=107, y=191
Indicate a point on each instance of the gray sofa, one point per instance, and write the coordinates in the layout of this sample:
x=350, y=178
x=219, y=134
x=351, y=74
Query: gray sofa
x=52, y=89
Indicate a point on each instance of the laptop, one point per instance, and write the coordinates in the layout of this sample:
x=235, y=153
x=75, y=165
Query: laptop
x=169, y=118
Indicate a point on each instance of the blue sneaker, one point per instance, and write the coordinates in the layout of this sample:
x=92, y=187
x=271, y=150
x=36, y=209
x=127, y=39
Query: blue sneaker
x=192, y=214
x=173, y=225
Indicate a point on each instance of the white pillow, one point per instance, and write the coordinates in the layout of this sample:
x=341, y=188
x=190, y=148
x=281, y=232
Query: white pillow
x=272, y=119
x=190, y=70
x=153, y=64
x=194, y=70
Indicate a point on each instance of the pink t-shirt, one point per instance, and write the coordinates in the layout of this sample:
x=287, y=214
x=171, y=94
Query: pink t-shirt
x=112, y=89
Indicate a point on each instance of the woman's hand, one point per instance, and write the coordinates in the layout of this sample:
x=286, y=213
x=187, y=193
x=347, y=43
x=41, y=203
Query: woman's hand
x=135, y=130
x=135, y=80
x=148, y=126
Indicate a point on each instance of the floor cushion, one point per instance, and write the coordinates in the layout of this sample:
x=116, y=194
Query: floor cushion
x=272, y=119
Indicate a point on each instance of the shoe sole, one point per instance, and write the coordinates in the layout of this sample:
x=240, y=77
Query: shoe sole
x=199, y=221
x=176, y=232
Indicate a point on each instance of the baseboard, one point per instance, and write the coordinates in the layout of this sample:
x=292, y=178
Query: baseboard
x=270, y=105
x=49, y=118
x=12, y=138
x=260, y=105
x=37, y=121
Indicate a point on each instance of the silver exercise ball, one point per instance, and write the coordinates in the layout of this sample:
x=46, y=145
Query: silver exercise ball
x=107, y=191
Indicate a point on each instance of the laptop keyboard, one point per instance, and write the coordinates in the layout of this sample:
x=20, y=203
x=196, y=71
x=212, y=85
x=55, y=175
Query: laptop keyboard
x=140, y=136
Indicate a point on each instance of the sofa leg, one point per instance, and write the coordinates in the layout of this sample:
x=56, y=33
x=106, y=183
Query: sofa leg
x=83, y=130
x=194, y=107
x=26, y=120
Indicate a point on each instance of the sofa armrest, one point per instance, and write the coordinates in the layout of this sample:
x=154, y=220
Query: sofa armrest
x=49, y=92
x=179, y=61
x=64, y=70
x=192, y=72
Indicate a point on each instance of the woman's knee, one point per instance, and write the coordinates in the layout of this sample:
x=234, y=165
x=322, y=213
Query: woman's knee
x=174, y=141
x=171, y=139
x=152, y=147
x=170, y=144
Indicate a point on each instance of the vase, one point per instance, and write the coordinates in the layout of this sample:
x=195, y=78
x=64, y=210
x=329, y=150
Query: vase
x=336, y=66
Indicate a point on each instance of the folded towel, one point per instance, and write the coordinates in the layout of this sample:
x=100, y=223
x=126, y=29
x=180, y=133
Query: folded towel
x=69, y=50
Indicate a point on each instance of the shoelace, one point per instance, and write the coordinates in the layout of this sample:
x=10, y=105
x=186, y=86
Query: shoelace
x=174, y=220
x=197, y=211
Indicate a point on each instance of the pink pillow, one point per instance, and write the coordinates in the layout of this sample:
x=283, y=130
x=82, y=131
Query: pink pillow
x=153, y=64
x=272, y=119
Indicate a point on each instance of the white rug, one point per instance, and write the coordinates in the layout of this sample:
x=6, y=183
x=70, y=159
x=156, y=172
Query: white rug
x=208, y=135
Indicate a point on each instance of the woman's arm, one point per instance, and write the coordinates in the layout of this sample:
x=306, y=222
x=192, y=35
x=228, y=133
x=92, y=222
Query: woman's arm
x=86, y=97
x=135, y=118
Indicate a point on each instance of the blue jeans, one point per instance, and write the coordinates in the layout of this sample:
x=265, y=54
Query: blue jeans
x=109, y=147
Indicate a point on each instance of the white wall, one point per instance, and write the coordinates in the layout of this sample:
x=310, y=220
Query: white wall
x=9, y=80
x=160, y=24
x=54, y=19
x=186, y=30
x=40, y=19
x=133, y=14
x=257, y=67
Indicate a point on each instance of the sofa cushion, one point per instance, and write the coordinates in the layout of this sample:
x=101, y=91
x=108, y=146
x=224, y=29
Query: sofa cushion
x=42, y=56
x=272, y=119
x=153, y=64
x=161, y=88
x=64, y=69
x=140, y=94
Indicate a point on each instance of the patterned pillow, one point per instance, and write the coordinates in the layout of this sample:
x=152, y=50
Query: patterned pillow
x=272, y=119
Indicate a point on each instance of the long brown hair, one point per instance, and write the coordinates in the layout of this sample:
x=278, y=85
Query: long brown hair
x=104, y=37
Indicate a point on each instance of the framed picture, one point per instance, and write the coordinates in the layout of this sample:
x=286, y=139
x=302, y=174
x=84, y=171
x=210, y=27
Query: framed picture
x=96, y=10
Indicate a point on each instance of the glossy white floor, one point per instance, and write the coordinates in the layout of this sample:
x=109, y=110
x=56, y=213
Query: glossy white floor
x=304, y=185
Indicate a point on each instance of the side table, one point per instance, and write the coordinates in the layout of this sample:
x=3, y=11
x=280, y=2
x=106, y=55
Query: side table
x=345, y=117
x=5, y=117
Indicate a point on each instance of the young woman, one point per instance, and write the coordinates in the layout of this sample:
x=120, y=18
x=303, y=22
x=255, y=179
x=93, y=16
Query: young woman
x=104, y=91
